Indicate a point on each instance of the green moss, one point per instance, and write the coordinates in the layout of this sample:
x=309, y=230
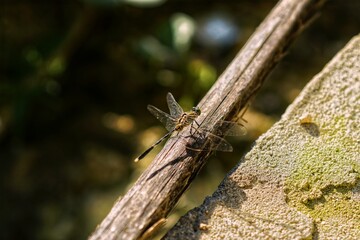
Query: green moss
x=327, y=169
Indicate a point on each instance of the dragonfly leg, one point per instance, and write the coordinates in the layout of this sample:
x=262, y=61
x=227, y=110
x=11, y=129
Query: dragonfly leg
x=192, y=128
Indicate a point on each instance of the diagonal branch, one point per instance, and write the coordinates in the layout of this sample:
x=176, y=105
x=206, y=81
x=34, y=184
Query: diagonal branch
x=158, y=189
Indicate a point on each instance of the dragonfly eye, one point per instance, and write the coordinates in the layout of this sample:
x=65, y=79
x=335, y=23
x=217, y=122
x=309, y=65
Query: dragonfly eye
x=196, y=110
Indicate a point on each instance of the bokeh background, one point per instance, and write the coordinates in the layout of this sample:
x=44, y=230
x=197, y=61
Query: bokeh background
x=75, y=80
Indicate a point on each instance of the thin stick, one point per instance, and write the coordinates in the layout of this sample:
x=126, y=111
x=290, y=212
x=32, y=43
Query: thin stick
x=158, y=189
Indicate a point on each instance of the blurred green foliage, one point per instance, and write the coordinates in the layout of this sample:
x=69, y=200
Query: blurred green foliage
x=76, y=77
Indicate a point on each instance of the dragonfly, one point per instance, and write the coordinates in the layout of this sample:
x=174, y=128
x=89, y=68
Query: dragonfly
x=178, y=120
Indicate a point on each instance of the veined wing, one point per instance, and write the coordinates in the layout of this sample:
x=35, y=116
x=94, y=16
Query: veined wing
x=175, y=109
x=229, y=128
x=219, y=144
x=168, y=121
x=233, y=128
x=215, y=143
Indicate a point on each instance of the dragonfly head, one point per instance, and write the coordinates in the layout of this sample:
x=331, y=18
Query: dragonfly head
x=196, y=110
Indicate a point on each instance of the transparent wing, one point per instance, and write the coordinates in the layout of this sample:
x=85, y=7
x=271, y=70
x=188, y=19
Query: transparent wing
x=219, y=144
x=213, y=143
x=175, y=109
x=227, y=128
x=231, y=129
x=168, y=121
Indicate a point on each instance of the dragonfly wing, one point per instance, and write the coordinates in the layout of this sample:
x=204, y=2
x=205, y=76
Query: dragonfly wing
x=210, y=142
x=175, y=109
x=168, y=121
x=219, y=144
x=232, y=129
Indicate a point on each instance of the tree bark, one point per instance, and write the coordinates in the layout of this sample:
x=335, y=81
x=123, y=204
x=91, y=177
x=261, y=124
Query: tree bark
x=160, y=186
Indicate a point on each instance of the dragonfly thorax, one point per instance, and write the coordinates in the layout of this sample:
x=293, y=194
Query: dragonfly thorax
x=187, y=118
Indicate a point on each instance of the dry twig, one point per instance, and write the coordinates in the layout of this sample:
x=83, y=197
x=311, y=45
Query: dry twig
x=158, y=189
